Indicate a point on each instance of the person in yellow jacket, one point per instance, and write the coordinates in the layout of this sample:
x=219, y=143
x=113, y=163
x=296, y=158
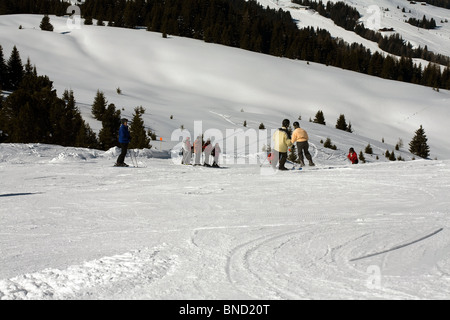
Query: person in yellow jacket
x=300, y=139
x=282, y=141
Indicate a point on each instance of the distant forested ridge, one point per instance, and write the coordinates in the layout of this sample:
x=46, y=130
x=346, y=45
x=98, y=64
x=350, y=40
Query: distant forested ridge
x=56, y=7
x=250, y=26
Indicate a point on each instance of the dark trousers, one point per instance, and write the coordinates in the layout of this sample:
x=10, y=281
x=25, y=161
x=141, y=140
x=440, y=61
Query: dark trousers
x=280, y=157
x=302, y=147
x=121, y=158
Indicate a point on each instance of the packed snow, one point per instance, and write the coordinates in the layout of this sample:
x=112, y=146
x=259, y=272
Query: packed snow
x=75, y=227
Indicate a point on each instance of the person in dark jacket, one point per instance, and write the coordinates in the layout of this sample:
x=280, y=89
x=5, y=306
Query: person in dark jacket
x=352, y=156
x=124, y=140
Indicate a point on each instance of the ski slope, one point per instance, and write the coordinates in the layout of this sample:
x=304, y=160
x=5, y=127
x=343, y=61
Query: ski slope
x=391, y=15
x=74, y=227
x=222, y=87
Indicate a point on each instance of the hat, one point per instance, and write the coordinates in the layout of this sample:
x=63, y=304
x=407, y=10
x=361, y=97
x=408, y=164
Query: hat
x=123, y=120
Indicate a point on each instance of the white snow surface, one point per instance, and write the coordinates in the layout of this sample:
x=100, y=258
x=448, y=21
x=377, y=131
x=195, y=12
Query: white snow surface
x=75, y=227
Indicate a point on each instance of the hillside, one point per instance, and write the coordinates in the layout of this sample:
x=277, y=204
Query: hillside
x=76, y=228
x=391, y=16
x=223, y=87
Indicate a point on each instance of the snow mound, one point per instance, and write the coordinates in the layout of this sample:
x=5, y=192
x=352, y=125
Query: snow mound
x=142, y=266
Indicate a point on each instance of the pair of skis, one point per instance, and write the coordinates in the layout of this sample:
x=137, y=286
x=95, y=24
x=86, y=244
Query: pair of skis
x=133, y=160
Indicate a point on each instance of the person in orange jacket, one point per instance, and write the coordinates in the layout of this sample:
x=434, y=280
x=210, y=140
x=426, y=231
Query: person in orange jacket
x=352, y=156
x=300, y=138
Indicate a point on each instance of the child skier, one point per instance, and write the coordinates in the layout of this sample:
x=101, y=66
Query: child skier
x=187, y=152
x=352, y=156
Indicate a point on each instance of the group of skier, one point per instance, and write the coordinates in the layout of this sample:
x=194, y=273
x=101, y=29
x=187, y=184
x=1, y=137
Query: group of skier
x=282, y=141
x=199, y=148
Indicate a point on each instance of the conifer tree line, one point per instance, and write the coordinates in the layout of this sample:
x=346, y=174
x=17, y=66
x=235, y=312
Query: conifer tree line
x=424, y=23
x=250, y=26
x=439, y=3
x=56, y=7
x=33, y=113
x=348, y=17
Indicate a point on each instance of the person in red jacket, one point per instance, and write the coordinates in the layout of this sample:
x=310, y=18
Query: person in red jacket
x=352, y=156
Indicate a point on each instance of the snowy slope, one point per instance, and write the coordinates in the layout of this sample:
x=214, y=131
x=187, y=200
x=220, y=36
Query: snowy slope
x=221, y=86
x=437, y=41
x=74, y=227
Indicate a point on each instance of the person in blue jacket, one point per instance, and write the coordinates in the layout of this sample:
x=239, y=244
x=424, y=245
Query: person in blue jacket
x=124, y=140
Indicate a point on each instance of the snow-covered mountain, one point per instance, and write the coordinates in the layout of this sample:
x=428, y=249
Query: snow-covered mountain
x=189, y=80
x=392, y=14
x=74, y=227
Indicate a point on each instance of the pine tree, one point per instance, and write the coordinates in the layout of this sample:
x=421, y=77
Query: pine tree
x=27, y=110
x=349, y=128
x=29, y=69
x=319, y=118
x=99, y=105
x=392, y=156
x=15, y=70
x=368, y=149
x=3, y=71
x=66, y=120
x=45, y=24
x=341, y=124
x=418, y=144
x=292, y=154
x=328, y=144
x=361, y=157
x=86, y=137
x=140, y=139
x=108, y=135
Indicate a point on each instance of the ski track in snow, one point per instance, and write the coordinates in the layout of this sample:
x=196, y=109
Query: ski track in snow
x=198, y=233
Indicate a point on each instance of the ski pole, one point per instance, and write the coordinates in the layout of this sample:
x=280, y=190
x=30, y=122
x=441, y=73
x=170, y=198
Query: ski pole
x=264, y=161
x=135, y=159
x=131, y=156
